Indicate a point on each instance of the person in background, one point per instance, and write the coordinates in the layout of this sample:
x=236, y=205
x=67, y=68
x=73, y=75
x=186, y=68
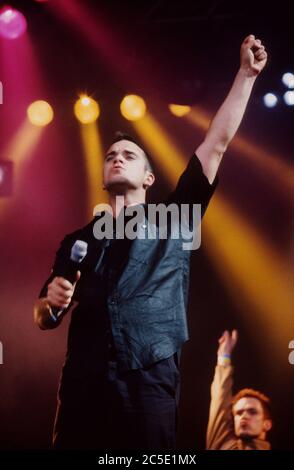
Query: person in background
x=239, y=422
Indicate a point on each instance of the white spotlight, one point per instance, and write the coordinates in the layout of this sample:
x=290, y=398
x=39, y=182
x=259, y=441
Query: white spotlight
x=288, y=79
x=289, y=98
x=270, y=100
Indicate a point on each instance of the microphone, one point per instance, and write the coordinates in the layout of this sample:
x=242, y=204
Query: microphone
x=69, y=271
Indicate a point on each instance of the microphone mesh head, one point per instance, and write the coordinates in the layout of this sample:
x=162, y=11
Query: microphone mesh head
x=79, y=251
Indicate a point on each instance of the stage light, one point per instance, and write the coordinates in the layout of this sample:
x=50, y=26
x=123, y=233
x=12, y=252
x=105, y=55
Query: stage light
x=93, y=163
x=289, y=98
x=270, y=100
x=288, y=79
x=40, y=113
x=12, y=23
x=133, y=107
x=160, y=143
x=179, y=110
x=85, y=100
x=275, y=165
x=86, y=109
x=6, y=169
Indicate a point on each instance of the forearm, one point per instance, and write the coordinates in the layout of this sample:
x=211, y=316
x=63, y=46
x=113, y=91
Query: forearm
x=225, y=124
x=220, y=421
x=229, y=116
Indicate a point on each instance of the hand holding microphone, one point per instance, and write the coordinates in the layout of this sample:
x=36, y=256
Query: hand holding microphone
x=60, y=291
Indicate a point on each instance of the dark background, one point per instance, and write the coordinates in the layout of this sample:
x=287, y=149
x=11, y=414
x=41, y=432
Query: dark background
x=182, y=52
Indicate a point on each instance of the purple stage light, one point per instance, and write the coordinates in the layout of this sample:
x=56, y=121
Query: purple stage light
x=12, y=23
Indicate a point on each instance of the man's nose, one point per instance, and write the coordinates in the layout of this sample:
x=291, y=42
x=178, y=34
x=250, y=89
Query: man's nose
x=118, y=158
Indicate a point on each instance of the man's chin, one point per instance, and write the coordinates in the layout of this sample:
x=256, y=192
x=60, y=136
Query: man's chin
x=246, y=435
x=118, y=186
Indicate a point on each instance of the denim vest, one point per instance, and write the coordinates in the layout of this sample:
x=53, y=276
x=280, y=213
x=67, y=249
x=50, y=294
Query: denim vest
x=145, y=306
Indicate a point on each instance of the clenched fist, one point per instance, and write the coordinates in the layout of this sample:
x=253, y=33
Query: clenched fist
x=60, y=291
x=253, y=56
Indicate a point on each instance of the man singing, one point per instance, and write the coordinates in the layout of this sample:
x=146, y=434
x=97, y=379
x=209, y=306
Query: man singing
x=119, y=386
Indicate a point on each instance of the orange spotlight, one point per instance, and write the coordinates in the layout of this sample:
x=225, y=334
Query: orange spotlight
x=86, y=109
x=179, y=110
x=133, y=107
x=40, y=113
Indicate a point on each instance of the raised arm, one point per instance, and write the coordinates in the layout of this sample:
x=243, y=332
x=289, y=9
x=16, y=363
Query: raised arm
x=220, y=425
x=225, y=124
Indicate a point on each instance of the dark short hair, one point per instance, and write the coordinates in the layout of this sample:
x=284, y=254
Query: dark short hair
x=251, y=393
x=123, y=136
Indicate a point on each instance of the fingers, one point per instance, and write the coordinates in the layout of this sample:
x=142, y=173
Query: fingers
x=249, y=38
x=261, y=56
x=78, y=275
x=234, y=336
x=60, y=291
x=249, y=41
x=59, y=297
x=255, y=44
x=62, y=283
x=253, y=55
x=227, y=337
x=223, y=337
x=259, y=50
x=58, y=302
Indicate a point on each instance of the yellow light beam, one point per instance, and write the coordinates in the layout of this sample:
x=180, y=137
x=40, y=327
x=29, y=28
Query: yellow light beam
x=18, y=150
x=259, y=280
x=179, y=110
x=22, y=143
x=159, y=143
x=93, y=153
x=265, y=159
x=247, y=264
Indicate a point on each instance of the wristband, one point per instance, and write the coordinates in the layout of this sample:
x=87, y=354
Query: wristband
x=224, y=359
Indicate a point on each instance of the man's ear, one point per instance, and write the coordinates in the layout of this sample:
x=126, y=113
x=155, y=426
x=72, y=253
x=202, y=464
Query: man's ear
x=267, y=425
x=149, y=180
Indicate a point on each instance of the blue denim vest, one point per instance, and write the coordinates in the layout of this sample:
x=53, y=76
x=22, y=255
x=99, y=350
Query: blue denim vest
x=145, y=306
